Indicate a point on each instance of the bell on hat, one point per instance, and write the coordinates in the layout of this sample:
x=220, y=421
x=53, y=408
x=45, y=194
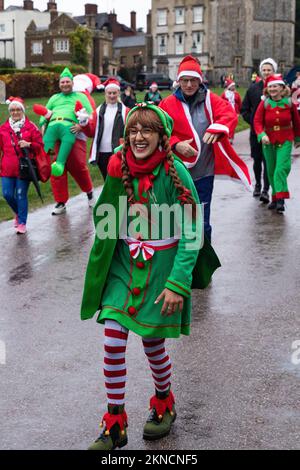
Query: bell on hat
x=190, y=67
x=275, y=79
x=112, y=83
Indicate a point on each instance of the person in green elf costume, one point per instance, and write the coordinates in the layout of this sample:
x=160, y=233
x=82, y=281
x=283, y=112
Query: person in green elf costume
x=60, y=116
x=141, y=277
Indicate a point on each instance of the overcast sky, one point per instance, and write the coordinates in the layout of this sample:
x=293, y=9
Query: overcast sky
x=122, y=8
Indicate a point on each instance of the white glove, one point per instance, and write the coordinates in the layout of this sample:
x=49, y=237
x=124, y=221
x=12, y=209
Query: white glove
x=83, y=117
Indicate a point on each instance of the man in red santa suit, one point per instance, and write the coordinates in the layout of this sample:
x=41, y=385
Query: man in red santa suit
x=202, y=124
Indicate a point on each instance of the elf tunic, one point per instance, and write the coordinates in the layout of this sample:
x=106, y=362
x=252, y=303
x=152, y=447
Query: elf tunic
x=126, y=288
x=279, y=120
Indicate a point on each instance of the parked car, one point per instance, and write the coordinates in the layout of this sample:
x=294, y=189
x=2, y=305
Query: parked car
x=144, y=80
x=123, y=82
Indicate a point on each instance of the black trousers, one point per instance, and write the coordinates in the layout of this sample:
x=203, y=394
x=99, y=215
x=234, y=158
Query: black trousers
x=259, y=165
x=102, y=162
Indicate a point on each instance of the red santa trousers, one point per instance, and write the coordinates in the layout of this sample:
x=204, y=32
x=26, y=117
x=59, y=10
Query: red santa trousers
x=77, y=167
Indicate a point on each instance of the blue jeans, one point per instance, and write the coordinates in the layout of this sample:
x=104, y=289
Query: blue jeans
x=205, y=187
x=15, y=193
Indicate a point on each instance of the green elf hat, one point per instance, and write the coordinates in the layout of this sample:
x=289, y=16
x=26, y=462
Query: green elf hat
x=66, y=74
x=166, y=120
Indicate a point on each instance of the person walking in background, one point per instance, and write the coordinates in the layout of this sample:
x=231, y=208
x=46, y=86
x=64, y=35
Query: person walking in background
x=234, y=99
x=128, y=97
x=277, y=125
x=153, y=94
x=250, y=104
x=106, y=126
x=17, y=134
x=203, y=122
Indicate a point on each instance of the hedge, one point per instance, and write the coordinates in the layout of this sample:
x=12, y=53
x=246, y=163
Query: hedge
x=31, y=85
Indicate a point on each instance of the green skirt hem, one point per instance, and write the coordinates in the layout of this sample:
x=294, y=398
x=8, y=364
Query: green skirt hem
x=142, y=329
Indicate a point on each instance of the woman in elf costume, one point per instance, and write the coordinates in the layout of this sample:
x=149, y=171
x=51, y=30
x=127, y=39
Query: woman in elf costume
x=277, y=125
x=139, y=282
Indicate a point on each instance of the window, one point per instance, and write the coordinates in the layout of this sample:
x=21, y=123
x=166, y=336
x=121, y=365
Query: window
x=123, y=60
x=37, y=48
x=62, y=45
x=162, y=44
x=256, y=41
x=162, y=17
x=2, y=28
x=179, y=15
x=198, y=14
x=179, y=43
x=197, y=42
x=105, y=50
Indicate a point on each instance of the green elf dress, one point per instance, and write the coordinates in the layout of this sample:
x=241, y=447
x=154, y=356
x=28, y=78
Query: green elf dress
x=125, y=274
x=62, y=119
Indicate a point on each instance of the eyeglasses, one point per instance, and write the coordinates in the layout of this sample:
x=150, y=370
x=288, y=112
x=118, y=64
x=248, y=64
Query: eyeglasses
x=185, y=81
x=145, y=133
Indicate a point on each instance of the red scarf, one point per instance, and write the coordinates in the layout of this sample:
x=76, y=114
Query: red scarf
x=142, y=170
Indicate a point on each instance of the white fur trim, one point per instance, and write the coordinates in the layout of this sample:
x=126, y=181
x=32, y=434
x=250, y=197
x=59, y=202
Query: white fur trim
x=189, y=73
x=82, y=83
x=218, y=128
x=93, y=156
x=112, y=85
x=269, y=61
x=196, y=136
x=16, y=103
x=276, y=82
x=236, y=168
x=208, y=106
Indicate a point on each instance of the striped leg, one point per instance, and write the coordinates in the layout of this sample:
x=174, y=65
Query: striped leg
x=114, y=362
x=159, y=362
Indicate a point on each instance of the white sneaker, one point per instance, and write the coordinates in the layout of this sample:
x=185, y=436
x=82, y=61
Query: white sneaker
x=59, y=209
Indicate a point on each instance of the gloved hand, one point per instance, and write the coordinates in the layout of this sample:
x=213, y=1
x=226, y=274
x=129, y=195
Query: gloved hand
x=82, y=114
x=41, y=110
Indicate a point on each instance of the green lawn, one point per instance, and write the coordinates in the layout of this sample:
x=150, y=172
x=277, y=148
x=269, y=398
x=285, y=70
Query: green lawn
x=34, y=201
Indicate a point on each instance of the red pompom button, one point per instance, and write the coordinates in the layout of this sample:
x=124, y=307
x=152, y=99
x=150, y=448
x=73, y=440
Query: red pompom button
x=132, y=311
x=140, y=265
x=136, y=291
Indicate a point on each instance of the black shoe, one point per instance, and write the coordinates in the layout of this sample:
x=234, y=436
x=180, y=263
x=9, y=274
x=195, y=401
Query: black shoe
x=257, y=190
x=264, y=197
x=280, y=206
x=272, y=206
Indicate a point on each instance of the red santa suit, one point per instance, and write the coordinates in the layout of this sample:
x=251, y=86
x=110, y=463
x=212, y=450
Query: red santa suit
x=223, y=120
x=77, y=164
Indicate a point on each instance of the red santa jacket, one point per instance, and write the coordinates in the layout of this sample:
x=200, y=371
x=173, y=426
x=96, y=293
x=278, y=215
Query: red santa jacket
x=237, y=101
x=278, y=120
x=9, y=148
x=223, y=120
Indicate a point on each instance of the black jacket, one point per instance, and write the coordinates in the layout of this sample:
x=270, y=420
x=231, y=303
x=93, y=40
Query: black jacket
x=118, y=129
x=251, y=102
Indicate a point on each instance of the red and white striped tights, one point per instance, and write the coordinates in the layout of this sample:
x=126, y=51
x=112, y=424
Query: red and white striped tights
x=115, y=372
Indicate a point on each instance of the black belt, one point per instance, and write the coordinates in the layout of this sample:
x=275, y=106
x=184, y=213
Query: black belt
x=63, y=119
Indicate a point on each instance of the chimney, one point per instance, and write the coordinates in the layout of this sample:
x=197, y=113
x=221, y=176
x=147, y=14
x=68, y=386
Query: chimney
x=133, y=20
x=112, y=17
x=28, y=5
x=1, y=5
x=149, y=25
x=52, y=8
x=91, y=12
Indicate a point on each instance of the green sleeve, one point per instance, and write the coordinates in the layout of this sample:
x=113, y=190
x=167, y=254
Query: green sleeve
x=191, y=241
x=260, y=136
x=50, y=106
x=85, y=102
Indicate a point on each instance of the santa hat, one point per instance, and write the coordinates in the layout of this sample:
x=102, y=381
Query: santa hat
x=153, y=85
x=270, y=62
x=189, y=67
x=111, y=83
x=229, y=83
x=86, y=82
x=274, y=80
x=14, y=100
